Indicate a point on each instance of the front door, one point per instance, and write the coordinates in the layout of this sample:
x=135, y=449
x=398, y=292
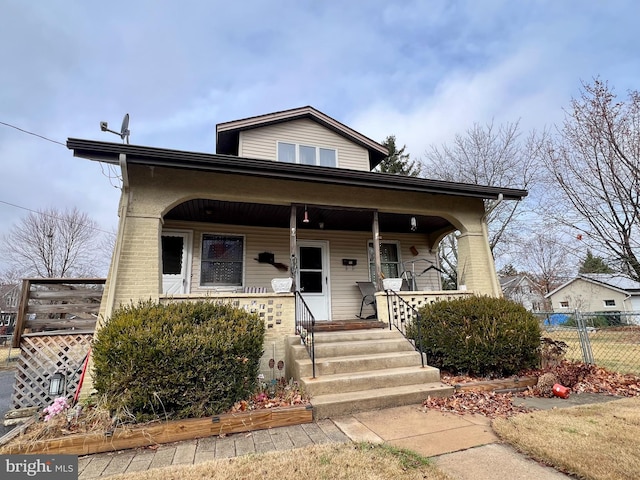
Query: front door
x=313, y=277
x=176, y=262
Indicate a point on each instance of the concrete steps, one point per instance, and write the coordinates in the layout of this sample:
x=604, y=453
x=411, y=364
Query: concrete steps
x=363, y=370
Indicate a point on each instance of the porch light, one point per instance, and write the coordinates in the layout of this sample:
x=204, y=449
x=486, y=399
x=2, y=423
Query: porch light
x=306, y=215
x=57, y=384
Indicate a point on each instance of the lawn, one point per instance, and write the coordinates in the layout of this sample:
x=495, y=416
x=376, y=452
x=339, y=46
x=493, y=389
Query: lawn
x=4, y=355
x=349, y=461
x=617, y=350
x=595, y=442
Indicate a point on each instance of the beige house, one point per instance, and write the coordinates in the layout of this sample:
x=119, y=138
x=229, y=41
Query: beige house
x=596, y=292
x=287, y=195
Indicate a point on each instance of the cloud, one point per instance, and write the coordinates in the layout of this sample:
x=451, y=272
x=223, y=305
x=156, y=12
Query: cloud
x=420, y=70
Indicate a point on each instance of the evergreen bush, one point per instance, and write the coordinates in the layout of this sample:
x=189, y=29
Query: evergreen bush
x=479, y=336
x=179, y=360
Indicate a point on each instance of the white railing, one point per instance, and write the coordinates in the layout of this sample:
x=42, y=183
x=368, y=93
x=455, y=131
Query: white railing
x=417, y=299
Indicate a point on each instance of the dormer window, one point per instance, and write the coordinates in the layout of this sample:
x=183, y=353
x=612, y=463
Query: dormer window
x=307, y=154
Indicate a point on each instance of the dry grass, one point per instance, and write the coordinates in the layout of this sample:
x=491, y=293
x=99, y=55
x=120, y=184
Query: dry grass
x=332, y=462
x=617, y=350
x=5, y=354
x=595, y=442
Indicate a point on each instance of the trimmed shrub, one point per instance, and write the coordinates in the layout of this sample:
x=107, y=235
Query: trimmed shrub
x=179, y=360
x=479, y=336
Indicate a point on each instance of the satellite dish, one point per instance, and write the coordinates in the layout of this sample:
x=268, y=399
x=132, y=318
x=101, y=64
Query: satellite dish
x=124, y=130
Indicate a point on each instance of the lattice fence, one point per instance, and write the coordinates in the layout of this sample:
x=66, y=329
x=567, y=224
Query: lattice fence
x=41, y=356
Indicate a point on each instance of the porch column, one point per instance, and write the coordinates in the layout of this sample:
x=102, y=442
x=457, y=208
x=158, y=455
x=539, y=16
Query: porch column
x=376, y=251
x=293, y=224
x=476, y=267
x=139, y=276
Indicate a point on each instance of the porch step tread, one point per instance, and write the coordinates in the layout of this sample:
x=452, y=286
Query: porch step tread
x=335, y=404
x=363, y=356
x=341, y=325
x=357, y=335
x=368, y=380
x=342, y=349
x=359, y=363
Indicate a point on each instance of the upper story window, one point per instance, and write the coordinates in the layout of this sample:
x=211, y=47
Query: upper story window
x=564, y=304
x=609, y=303
x=307, y=154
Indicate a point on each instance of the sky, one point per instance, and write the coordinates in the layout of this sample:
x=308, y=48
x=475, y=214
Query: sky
x=421, y=70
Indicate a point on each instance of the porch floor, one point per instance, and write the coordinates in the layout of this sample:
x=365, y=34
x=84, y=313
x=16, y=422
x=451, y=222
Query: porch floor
x=342, y=325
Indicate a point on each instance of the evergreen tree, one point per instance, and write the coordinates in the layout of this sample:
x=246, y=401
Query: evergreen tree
x=594, y=264
x=398, y=161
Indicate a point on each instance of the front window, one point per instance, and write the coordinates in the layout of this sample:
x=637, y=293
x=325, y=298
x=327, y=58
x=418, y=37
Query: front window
x=307, y=154
x=389, y=260
x=609, y=303
x=564, y=304
x=222, y=260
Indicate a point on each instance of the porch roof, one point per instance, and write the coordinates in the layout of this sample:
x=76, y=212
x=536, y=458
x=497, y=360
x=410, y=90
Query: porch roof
x=162, y=157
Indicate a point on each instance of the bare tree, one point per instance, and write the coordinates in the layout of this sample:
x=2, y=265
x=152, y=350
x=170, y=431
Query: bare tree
x=594, y=164
x=488, y=155
x=54, y=244
x=546, y=257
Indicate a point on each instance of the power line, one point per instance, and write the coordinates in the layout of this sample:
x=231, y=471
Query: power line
x=53, y=216
x=110, y=175
x=32, y=133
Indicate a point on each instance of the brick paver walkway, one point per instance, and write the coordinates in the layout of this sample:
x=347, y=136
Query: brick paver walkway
x=211, y=448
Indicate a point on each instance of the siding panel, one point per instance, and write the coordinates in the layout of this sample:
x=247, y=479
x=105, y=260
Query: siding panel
x=262, y=142
x=345, y=295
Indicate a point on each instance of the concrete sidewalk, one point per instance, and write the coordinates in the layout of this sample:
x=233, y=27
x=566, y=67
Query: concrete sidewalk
x=465, y=447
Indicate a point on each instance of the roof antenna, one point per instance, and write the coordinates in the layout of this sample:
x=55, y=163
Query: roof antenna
x=124, y=130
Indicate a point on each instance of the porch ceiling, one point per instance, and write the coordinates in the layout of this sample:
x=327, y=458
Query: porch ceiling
x=263, y=215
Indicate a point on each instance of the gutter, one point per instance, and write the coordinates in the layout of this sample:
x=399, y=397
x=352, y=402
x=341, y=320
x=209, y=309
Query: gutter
x=158, y=157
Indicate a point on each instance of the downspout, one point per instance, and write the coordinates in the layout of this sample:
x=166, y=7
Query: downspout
x=123, y=208
x=493, y=207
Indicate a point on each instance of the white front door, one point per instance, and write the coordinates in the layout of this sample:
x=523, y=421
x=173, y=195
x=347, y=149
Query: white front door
x=313, y=277
x=176, y=262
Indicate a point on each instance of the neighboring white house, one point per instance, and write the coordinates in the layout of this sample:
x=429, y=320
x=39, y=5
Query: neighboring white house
x=597, y=292
x=521, y=289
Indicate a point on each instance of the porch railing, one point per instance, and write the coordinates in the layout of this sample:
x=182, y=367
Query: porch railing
x=305, y=323
x=406, y=319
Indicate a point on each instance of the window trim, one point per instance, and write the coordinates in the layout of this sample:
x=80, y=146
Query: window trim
x=297, y=152
x=398, y=251
x=224, y=288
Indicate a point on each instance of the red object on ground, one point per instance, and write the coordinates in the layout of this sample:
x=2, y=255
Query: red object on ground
x=84, y=370
x=560, y=391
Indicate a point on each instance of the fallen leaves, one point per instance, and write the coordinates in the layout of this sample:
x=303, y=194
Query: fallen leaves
x=488, y=404
x=579, y=377
x=583, y=378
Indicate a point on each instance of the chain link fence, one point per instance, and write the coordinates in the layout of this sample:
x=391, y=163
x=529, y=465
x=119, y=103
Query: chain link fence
x=607, y=339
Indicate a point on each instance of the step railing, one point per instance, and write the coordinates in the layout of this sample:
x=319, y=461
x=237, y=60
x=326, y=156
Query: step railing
x=305, y=323
x=406, y=319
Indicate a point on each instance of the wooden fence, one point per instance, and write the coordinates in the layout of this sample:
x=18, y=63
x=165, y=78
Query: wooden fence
x=58, y=304
x=54, y=329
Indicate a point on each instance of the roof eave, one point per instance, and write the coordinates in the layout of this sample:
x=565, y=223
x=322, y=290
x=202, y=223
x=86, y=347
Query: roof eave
x=109, y=153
